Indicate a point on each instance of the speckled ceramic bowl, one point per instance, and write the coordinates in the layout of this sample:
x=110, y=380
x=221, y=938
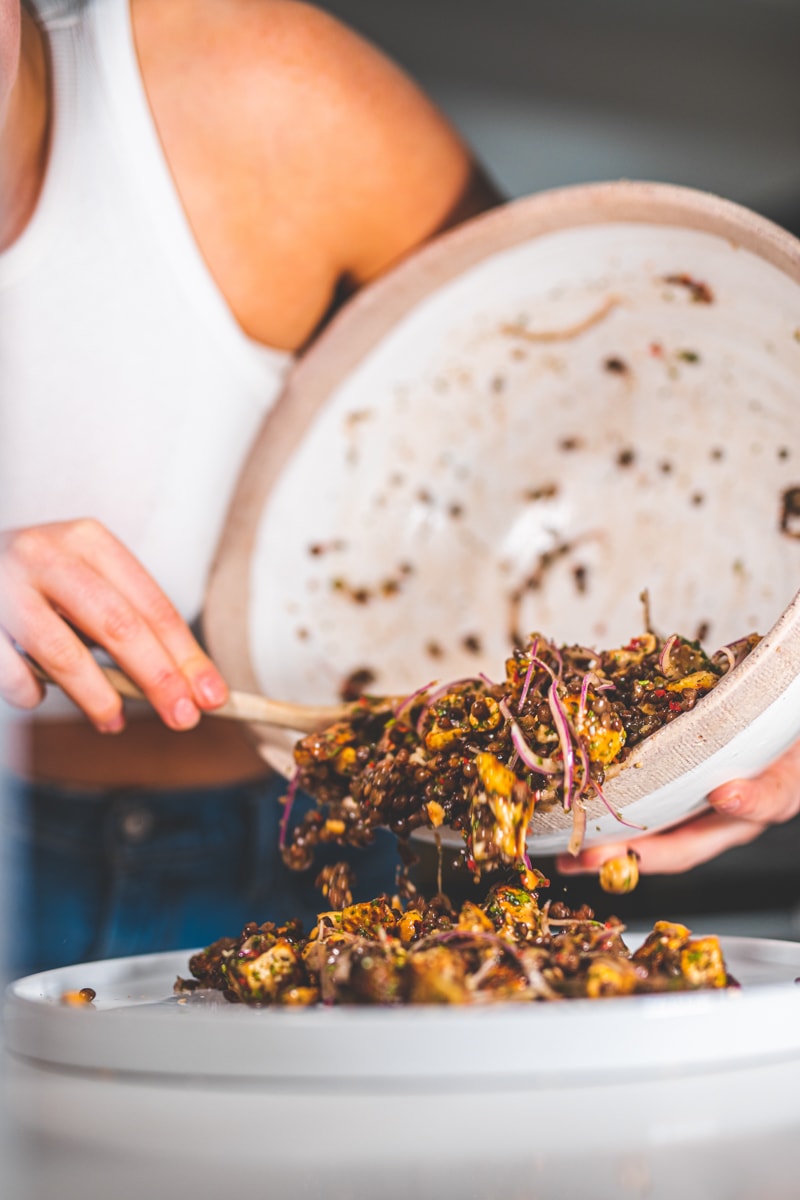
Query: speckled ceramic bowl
x=583, y=395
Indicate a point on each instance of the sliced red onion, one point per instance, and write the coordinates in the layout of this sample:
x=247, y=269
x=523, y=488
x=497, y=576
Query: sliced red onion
x=599, y=685
x=591, y=657
x=587, y=680
x=532, y=760
x=726, y=652
x=739, y=649
x=541, y=663
x=613, y=811
x=538, y=661
x=532, y=648
x=565, y=738
x=578, y=827
x=526, y=685
x=666, y=650
x=409, y=700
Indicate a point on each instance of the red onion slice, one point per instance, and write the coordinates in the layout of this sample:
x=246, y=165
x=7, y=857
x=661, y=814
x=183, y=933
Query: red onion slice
x=613, y=811
x=526, y=685
x=578, y=826
x=726, y=653
x=409, y=700
x=666, y=650
x=587, y=680
x=565, y=738
x=532, y=760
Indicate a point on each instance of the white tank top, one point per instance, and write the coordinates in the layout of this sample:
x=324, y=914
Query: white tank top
x=128, y=392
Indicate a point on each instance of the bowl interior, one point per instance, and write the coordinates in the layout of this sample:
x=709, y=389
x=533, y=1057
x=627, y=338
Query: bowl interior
x=574, y=418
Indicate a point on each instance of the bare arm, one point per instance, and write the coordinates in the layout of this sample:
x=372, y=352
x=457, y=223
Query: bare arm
x=303, y=156
x=304, y=160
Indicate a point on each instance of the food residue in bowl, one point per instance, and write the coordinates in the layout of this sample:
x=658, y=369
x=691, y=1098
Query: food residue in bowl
x=698, y=291
x=790, y=512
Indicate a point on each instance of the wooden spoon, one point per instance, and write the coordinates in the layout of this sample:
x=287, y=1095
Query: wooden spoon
x=240, y=706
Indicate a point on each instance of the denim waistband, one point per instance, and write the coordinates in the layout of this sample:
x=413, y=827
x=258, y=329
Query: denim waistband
x=163, y=829
x=93, y=875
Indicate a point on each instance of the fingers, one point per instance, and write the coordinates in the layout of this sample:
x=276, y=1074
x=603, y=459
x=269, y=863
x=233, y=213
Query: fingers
x=99, y=610
x=770, y=798
x=743, y=809
x=56, y=647
x=77, y=574
x=669, y=853
x=18, y=685
x=128, y=576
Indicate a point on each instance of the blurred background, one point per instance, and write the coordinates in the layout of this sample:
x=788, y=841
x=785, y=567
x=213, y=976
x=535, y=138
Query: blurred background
x=552, y=92
x=704, y=93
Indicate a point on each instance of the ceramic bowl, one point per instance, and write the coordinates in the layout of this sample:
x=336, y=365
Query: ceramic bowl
x=572, y=399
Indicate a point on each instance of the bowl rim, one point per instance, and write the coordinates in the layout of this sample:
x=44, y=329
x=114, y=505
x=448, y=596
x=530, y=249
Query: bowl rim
x=740, y=697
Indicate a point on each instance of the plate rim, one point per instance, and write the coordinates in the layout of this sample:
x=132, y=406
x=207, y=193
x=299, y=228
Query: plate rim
x=348, y=1044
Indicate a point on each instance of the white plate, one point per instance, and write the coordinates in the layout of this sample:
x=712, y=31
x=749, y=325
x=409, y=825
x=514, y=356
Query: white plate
x=429, y=450
x=138, y=1026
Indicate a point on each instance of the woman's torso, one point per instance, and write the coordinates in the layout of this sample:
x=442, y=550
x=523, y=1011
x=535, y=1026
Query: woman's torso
x=135, y=391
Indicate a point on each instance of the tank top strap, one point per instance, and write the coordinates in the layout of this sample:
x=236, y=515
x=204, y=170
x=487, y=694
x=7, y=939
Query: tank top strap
x=143, y=161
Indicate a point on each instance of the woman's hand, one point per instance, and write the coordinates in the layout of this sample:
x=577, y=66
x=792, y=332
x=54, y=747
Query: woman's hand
x=741, y=810
x=75, y=575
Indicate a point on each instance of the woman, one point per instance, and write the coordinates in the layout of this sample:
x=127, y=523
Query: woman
x=188, y=189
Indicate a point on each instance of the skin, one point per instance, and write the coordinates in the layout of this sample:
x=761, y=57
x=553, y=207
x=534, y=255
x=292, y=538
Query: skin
x=307, y=164
x=740, y=811
x=268, y=111
x=24, y=120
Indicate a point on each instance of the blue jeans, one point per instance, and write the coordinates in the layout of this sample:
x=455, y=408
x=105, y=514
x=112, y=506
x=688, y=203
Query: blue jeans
x=91, y=875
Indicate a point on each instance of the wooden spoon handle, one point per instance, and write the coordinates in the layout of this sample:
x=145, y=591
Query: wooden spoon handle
x=305, y=718
x=240, y=706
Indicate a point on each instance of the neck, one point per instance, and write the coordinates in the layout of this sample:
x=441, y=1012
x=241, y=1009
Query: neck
x=24, y=136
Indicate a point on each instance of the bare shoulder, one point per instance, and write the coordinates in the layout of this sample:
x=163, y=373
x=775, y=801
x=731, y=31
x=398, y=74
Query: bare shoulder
x=303, y=155
x=393, y=168
x=278, y=82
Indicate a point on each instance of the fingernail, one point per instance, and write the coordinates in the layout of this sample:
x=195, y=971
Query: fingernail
x=115, y=725
x=730, y=802
x=211, y=689
x=185, y=714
